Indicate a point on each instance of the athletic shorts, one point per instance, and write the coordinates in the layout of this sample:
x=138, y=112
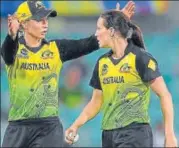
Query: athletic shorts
x=133, y=135
x=44, y=132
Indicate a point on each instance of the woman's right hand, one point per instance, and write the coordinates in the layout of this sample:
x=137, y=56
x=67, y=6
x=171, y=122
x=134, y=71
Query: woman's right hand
x=128, y=10
x=13, y=26
x=70, y=138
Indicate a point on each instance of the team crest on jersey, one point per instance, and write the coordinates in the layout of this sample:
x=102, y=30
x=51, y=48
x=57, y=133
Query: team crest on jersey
x=24, y=15
x=47, y=54
x=125, y=68
x=104, y=69
x=23, y=53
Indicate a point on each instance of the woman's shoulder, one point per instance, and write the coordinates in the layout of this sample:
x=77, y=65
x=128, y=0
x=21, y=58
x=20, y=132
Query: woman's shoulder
x=142, y=53
x=105, y=55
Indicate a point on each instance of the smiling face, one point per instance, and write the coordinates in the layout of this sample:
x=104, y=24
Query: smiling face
x=103, y=34
x=36, y=29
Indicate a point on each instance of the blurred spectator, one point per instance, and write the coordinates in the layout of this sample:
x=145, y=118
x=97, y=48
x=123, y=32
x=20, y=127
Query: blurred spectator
x=71, y=93
x=158, y=134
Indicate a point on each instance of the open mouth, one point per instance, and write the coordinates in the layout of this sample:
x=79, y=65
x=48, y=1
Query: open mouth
x=44, y=32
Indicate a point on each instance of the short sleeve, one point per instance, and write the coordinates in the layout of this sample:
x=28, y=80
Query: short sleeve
x=95, y=81
x=147, y=67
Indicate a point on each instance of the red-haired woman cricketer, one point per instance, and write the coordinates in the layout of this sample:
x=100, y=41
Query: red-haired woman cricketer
x=122, y=79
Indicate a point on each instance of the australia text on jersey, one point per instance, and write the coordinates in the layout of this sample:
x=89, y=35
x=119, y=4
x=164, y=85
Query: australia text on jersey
x=35, y=66
x=117, y=79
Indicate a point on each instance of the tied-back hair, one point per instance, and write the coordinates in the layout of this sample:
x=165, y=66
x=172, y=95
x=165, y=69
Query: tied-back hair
x=137, y=36
x=127, y=29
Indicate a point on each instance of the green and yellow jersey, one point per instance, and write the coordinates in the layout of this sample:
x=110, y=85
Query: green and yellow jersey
x=33, y=74
x=125, y=87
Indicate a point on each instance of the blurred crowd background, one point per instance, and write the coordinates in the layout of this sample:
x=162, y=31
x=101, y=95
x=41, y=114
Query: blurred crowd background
x=159, y=22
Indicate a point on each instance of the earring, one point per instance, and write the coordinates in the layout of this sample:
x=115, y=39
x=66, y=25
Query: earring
x=112, y=32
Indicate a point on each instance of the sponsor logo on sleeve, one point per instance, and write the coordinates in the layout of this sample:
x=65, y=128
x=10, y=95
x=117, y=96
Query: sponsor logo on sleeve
x=23, y=53
x=152, y=65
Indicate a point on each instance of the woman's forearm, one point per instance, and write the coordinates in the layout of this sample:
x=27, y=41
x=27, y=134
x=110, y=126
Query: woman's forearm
x=9, y=49
x=167, y=110
x=89, y=112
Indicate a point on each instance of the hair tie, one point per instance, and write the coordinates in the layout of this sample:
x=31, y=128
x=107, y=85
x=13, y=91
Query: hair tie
x=129, y=34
